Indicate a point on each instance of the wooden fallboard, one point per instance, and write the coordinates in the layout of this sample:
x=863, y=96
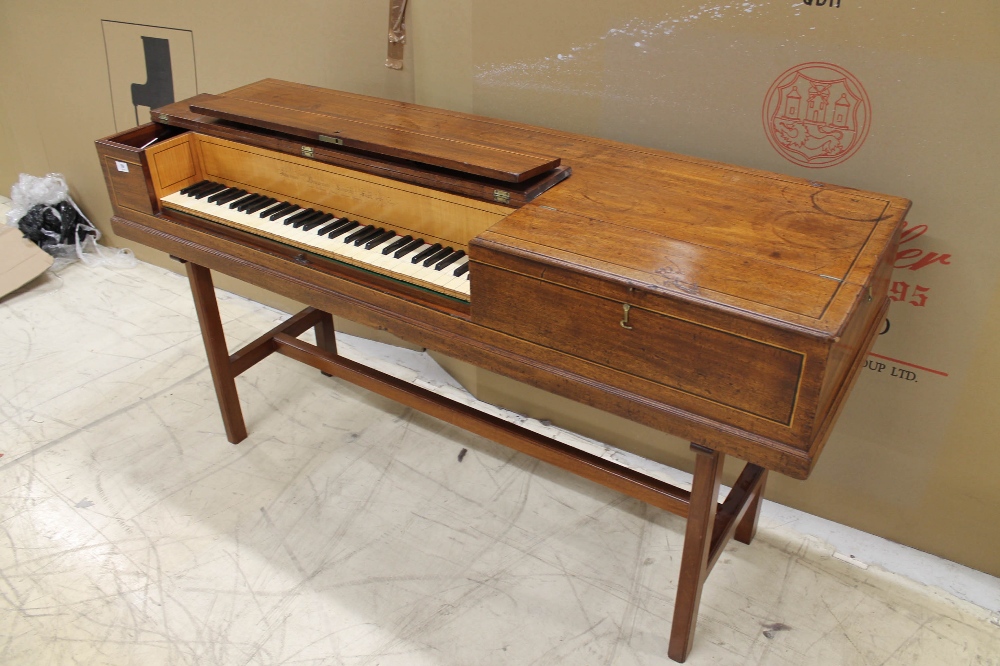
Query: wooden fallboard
x=464, y=155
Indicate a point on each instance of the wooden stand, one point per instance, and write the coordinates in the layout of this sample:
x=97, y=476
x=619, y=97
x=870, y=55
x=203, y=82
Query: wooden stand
x=710, y=524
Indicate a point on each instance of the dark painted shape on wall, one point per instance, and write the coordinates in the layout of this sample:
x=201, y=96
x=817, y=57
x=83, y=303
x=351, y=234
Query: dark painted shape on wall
x=158, y=89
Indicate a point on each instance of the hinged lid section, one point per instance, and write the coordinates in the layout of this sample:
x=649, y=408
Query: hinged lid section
x=383, y=139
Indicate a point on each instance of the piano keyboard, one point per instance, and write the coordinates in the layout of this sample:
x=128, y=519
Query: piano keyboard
x=378, y=249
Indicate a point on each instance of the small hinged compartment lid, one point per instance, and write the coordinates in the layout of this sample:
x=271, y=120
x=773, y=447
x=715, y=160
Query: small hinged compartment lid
x=777, y=250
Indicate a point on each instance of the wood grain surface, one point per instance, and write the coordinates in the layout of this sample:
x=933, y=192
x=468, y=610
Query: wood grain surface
x=753, y=295
x=464, y=155
x=766, y=241
x=179, y=115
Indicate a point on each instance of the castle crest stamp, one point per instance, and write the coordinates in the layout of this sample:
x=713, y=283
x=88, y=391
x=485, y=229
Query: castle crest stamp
x=817, y=114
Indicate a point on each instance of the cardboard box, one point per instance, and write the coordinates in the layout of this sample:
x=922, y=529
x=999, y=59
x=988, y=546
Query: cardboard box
x=21, y=261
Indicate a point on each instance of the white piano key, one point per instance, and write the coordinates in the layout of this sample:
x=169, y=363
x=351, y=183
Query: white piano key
x=352, y=250
x=408, y=258
x=455, y=283
x=453, y=260
x=427, y=273
x=376, y=258
x=457, y=279
x=419, y=268
x=459, y=284
x=447, y=274
x=405, y=265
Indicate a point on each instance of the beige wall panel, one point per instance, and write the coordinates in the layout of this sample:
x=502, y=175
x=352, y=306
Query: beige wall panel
x=692, y=78
x=55, y=90
x=10, y=162
x=442, y=53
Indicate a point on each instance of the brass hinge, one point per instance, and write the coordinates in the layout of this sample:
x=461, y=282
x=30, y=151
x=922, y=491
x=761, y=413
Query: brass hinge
x=307, y=151
x=501, y=196
x=331, y=139
x=164, y=118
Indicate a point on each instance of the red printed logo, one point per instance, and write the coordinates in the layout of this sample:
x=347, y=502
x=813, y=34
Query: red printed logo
x=817, y=115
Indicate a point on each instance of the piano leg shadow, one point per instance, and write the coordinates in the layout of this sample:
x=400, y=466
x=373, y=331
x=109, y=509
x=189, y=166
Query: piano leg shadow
x=710, y=524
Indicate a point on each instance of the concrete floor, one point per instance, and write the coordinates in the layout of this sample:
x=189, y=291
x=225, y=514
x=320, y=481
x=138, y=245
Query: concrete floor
x=348, y=529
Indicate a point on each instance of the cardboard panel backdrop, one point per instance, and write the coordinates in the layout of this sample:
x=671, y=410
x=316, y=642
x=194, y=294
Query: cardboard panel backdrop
x=881, y=95
x=888, y=96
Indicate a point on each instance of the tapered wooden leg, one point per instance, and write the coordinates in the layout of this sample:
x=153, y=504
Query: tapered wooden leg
x=747, y=529
x=697, y=545
x=326, y=338
x=218, y=354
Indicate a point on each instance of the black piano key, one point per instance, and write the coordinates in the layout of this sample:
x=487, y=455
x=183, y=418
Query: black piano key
x=250, y=207
x=359, y=232
x=191, y=188
x=364, y=238
x=281, y=205
x=406, y=249
x=366, y=230
x=227, y=197
x=243, y=202
x=232, y=196
x=321, y=220
x=221, y=193
x=291, y=208
x=303, y=221
x=344, y=228
x=337, y=221
x=224, y=194
x=426, y=253
x=195, y=191
x=462, y=269
x=233, y=200
x=222, y=198
x=437, y=256
x=204, y=185
x=378, y=240
x=208, y=184
x=205, y=191
x=236, y=201
x=246, y=202
x=299, y=215
x=267, y=202
x=287, y=211
x=307, y=223
x=449, y=260
x=396, y=244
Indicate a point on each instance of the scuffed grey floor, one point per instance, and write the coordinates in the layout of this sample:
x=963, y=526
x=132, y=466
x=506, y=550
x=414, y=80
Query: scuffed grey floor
x=347, y=529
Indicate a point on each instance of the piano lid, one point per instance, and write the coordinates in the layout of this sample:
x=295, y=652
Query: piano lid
x=322, y=122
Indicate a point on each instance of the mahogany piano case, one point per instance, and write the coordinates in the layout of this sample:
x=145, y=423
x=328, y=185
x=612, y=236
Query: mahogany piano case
x=730, y=306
